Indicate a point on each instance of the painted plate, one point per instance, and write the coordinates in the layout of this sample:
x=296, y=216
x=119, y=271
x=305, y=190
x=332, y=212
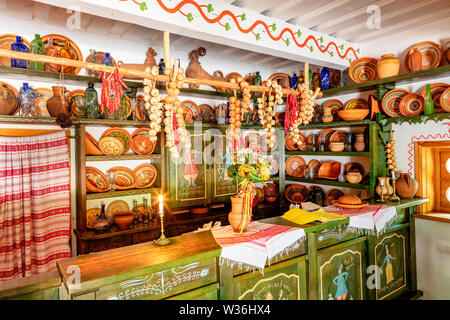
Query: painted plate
x=92, y=145
x=358, y=103
x=431, y=55
x=76, y=100
x=145, y=175
x=41, y=101
x=436, y=91
x=9, y=99
x=339, y=136
x=324, y=136
x=6, y=40
x=335, y=105
x=96, y=179
x=111, y=146
x=295, y=166
x=117, y=207
x=274, y=167
x=296, y=193
x=445, y=100
x=391, y=102
x=354, y=167
x=91, y=214
x=194, y=108
x=124, y=178
x=363, y=69
x=412, y=104
x=208, y=113
x=140, y=131
x=332, y=195
x=283, y=79
x=310, y=142
x=122, y=134
x=142, y=145
x=188, y=115
x=315, y=164
x=58, y=42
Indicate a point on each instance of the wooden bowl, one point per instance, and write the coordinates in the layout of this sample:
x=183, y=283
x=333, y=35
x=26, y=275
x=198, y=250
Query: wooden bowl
x=330, y=170
x=353, y=114
x=123, y=221
x=337, y=146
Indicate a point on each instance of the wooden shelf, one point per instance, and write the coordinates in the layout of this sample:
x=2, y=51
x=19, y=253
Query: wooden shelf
x=416, y=119
x=329, y=183
x=120, y=193
x=337, y=124
x=399, y=79
x=124, y=157
x=328, y=153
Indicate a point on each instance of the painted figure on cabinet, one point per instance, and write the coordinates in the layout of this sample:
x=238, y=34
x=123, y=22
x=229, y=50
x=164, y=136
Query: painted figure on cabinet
x=190, y=172
x=339, y=281
x=389, y=269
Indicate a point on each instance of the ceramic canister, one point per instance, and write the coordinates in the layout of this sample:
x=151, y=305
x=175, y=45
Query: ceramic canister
x=388, y=66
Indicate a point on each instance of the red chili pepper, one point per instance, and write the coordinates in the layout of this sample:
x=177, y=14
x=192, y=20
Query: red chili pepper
x=291, y=112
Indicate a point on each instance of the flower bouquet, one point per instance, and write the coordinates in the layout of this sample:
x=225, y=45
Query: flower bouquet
x=247, y=167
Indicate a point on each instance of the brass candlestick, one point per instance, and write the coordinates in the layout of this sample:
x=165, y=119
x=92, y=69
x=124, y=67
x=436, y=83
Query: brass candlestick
x=381, y=192
x=394, y=178
x=162, y=239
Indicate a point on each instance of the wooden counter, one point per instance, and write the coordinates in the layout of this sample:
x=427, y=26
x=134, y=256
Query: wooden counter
x=188, y=268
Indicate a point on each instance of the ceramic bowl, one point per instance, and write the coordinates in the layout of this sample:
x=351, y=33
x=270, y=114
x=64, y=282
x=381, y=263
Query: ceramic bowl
x=353, y=177
x=123, y=221
x=336, y=146
x=353, y=114
x=330, y=170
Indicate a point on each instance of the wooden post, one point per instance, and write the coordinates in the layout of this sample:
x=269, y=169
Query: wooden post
x=166, y=43
x=307, y=75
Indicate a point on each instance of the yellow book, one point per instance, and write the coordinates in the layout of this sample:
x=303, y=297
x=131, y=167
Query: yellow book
x=301, y=216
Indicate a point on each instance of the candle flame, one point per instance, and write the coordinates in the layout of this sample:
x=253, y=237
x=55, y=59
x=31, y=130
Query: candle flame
x=160, y=198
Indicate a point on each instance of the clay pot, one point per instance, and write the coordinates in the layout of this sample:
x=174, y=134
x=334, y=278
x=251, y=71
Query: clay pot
x=387, y=188
x=406, y=186
x=354, y=177
x=416, y=60
x=123, y=221
x=58, y=102
x=359, y=144
x=327, y=116
x=388, y=66
x=236, y=217
x=337, y=146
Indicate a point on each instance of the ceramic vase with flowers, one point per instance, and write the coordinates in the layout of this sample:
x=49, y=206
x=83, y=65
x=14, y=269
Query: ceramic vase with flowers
x=247, y=168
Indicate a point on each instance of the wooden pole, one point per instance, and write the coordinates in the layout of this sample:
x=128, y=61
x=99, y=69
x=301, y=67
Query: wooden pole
x=132, y=73
x=166, y=43
x=307, y=75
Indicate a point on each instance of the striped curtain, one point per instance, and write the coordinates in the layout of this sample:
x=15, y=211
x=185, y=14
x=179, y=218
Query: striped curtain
x=34, y=204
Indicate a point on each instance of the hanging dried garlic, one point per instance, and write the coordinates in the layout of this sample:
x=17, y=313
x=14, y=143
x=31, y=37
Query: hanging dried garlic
x=238, y=107
x=266, y=110
x=306, y=112
x=390, y=154
x=153, y=104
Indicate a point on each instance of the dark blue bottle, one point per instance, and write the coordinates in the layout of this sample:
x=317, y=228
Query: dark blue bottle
x=20, y=47
x=325, y=79
x=107, y=60
x=294, y=81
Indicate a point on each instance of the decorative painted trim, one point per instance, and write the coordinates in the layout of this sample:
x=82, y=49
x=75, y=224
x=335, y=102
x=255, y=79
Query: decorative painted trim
x=376, y=263
x=271, y=278
x=207, y=14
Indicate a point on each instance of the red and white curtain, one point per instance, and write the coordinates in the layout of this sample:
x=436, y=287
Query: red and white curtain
x=34, y=204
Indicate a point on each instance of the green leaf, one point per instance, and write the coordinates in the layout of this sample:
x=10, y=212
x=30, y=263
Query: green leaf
x=274, y=27
x=243, y=17
x=299, y=33
x=331, y=54
x=357, y=50
x=321, y=39
x=227, y=26
x=258, y=36
x=143, y=6
x=311, y=49
x=287, y=42
x=350, y=60
x=190, y=17
x=210, y=8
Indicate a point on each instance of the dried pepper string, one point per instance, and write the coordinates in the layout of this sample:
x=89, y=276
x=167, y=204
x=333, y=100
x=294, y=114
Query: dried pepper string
x=112, y=85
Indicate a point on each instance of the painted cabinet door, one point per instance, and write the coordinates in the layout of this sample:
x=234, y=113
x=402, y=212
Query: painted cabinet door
x=342, y=271
x=283, y=281
x=223, y=187
x=391, y=275
x=189, y=175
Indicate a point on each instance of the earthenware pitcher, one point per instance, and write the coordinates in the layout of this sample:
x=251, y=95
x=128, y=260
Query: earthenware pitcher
x=236, y=217
x=406, y=186
x=359, y=142
x=58, y=102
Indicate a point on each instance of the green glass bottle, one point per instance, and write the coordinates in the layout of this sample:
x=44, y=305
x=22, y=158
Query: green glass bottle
x=311, y=81
x=37, y=47
x=258, y=82
x=429, y=105
x=135, y=213
x=145, y=215
x=91, y=102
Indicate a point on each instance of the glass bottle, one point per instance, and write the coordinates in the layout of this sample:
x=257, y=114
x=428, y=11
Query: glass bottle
x=135, y=213
x=67, y=53
x=294, y=81
x=20, y=47
x=27, y=97
x=91, y=102
x=325, y=81
x=301, y=78
x=91, y=72
x=316, y=80
x=342, y=82
x=107, y=60
x=37, y=47
x=311, y=83
x=101, y=223
x=314, y=143
x=429, y=105
x=258, y=82
x=348, y=143
x=162, y=67
x=145, y=215
x=51, y=51
x=121, y=112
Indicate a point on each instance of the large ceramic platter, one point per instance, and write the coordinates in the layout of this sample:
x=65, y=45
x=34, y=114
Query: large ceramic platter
x=111, y=146
x=194, y=108
x=363, y=69
x=436, y=90
x=339, y=136
x=335, y=105
x=118, y=207
x=296, y=193
x=431, y=55
x=357, y=103
x=295, y=166
x=142, y=145
x=121, y=134
x=391, y=102
x=145, y=175
x=41, y=101
x=411, y=105
x=445, y=100
x=9, y=98
x=350, y=206
x=58, y=42
x=6, y=40
x=124, y=178
x=96, y=180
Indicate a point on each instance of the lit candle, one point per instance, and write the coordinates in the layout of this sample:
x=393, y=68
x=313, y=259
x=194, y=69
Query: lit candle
x=393, y=174
x=161, y=204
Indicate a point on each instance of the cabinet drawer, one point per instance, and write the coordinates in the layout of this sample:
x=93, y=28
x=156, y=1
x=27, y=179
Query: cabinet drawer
x=334, y=235
x=161, y=284
x=204, y=293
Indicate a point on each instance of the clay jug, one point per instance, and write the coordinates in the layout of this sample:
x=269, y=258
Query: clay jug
x=327, y=116
x=406, y=186
x=387, y=188
x=236, y=217
x=58, y=102
x=359, y=142
x=416, y=60
x=388, y=66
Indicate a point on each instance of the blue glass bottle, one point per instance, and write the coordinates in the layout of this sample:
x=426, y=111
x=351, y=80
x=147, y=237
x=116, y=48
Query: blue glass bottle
x=107, y=60
x=20, y=47
x=325, y=79
x=294, y=81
